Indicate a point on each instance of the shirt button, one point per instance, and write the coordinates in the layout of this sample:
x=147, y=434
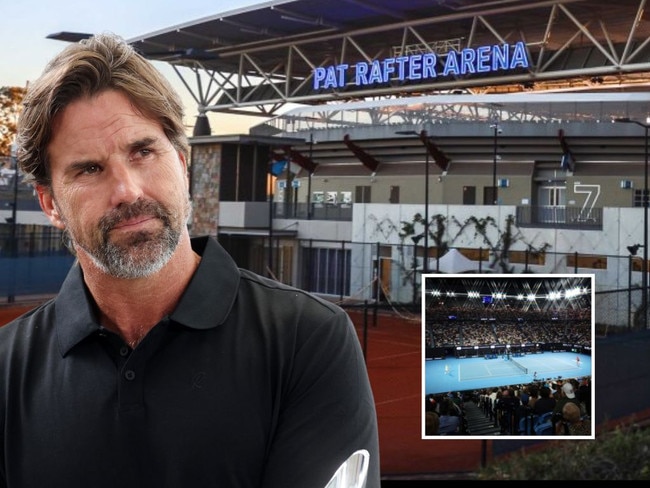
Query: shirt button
x=129, y=375
x=124, y=351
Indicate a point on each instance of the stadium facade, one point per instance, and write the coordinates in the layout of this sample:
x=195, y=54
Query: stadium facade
x=495, y=122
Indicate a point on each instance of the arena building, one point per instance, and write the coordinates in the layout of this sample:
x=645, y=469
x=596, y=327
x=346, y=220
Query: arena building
x=513, y=132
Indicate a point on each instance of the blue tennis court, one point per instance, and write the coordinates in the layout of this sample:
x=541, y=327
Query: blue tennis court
x=451, y=374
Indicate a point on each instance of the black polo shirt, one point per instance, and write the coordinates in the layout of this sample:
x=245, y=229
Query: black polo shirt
x=248, y=383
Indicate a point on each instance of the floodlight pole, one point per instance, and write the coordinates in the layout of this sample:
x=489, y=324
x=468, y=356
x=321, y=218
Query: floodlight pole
x=11, y=297
x=425, y=264
x=495, y=156
x=644, y=199
x=415, y=272
x=14, y=205
x=424, y=137
x=311, y=152
x=644, y=281
x=415, y=239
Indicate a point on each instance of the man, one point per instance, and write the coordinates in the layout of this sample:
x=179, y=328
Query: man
x=575, y=424
x=567, y=395
x=545, y=403
x=160, y=363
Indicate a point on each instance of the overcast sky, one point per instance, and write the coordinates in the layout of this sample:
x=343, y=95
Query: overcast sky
x=26, y=24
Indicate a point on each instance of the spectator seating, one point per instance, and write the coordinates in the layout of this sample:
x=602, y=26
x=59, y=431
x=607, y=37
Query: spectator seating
x=544, y=424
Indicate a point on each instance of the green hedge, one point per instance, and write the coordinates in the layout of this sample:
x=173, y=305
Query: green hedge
x=622, y=454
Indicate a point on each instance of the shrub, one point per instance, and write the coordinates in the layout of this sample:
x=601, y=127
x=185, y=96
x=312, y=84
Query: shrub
x=621, y=454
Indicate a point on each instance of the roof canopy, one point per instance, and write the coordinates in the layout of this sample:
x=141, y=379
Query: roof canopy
x=258, y=59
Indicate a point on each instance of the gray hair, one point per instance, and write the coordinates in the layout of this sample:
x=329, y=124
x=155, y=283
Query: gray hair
x=85, y=69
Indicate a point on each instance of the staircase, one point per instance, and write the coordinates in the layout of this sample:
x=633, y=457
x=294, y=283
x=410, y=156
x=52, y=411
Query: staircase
x=477, y=422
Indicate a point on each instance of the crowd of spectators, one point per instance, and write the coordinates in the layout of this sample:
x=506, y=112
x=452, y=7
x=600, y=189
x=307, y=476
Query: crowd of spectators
x=565, y=404
x=463, y=327
x=519, y=409
x=445, y=414
x=514, y=409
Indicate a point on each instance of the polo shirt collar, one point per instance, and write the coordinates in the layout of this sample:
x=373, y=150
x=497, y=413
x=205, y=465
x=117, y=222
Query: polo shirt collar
x=212, y=291
x=206, y=302
x=75, y=317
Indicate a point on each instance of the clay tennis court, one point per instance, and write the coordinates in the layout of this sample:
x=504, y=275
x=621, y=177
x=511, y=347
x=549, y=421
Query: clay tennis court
x=394, y=359
x=393, y=356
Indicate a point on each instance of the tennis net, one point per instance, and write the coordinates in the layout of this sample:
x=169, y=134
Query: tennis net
x=521, y=367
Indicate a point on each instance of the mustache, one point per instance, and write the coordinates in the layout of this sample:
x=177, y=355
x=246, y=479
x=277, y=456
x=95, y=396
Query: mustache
x=139, y=208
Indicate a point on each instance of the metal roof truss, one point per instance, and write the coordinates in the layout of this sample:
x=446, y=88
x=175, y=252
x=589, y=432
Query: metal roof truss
x=571, y=44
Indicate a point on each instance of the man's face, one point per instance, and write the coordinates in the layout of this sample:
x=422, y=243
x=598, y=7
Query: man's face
x=119, y=188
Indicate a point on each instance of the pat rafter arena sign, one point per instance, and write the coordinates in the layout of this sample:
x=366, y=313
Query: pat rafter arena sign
x=483, y=59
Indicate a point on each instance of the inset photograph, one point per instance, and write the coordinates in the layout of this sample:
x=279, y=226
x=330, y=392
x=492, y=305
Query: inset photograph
x=508, y=356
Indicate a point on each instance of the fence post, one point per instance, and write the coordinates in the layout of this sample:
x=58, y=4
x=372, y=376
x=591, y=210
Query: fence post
x=365, y=328
x=629, y=292
x=375, y=266
x=527, y=253
x=14, y=222
x=342, y=271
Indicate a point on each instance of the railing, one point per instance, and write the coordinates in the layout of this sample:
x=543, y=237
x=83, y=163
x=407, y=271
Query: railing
x=319, y=211
x=527, y=216
x=35, y=262
x=560, y=217
x=25, y=199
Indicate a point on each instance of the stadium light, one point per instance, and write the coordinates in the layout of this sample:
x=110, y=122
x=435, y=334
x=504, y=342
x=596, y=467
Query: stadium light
x=644, y=200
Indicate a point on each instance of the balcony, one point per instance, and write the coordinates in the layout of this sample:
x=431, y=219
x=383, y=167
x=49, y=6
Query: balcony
x=560, y=217
x=319, y=211
x=242, y=215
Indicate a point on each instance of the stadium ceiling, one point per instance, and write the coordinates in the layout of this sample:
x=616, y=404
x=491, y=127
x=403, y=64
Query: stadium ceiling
x=255, y=60
x=549, y=287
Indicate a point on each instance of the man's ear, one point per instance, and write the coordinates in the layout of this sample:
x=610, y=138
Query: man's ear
x=46, y=200
x=186, y=172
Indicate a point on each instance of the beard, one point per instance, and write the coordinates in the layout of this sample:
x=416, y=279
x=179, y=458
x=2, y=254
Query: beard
x=138, y=254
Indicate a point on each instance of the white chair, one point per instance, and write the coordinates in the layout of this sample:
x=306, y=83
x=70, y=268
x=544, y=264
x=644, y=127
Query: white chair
x=353, y=473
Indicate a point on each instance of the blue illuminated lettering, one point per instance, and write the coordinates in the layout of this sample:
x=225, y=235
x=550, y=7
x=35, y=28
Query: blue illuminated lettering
x=319, y=75
x=467, y=60
x=401, y=69
x=500, y=56
x=482, y=59
x=341, y=69
x=375, y=73
x=429, y=66
x=389, y=68
x=330, y=77
x=361, y=72
x=451, y=64
x=519, y=57
x=415, y=67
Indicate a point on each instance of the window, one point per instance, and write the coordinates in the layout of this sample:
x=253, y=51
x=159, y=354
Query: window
x=362, y=194
x=394, y=194
x=326, y=270
x=469, y=195
x=638, y=198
